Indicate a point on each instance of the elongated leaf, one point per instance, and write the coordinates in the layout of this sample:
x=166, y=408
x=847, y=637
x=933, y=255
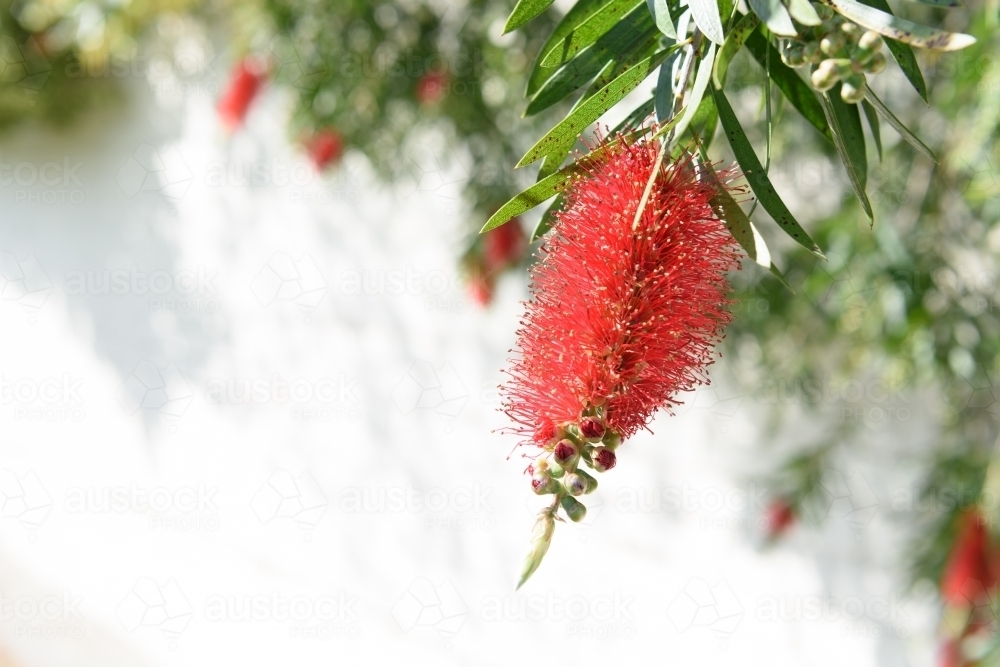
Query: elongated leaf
x=579, y=13
x=845, y=155
x=753, y=171
x=803, y=12
x=774, y=15
x=701, y=81
x=704, y=122
x=901, y=29
x=791, y=85
x=946, y=4
x=872, y=118
x=635, y=119
x=525, y=201
x=591, y=30
x=664, y=96
x=524, y=11
x=593, y=108
x=660, y=9
x=877, y=104
x=547, y=219
x=734, y=42
x=739, y=225
x=903, y=54
x=706, y=16
x=849, y=122
x=626, y=44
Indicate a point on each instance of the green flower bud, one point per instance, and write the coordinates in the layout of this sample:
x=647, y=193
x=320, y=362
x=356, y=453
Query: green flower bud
x=612, y=440
x=876, y=64
x=576, y=483
x=556, y=470
x=870, y=41
x=811, y=52
x=575, y=510
x=543, y=484
x=852, y=90
x=794, y=56
x=590, y=484
x=850, y=29
x=825, y=76
x=832, y=43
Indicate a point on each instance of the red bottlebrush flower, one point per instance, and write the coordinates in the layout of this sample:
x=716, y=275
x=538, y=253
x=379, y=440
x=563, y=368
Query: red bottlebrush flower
x=325, y=148
x=623, y=316
x=780, y=516
x=967, y=574
x=432, y=86
x=951, y=654
x=244, y=84
x=504, y=246
x=604, y=459
x=480, y=289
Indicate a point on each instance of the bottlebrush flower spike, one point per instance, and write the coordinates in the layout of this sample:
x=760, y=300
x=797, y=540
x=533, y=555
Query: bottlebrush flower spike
x=244, y=84
x=967, y=574
x=628, y=303
x=325, y=148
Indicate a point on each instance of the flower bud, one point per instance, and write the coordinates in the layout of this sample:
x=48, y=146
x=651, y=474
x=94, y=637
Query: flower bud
x=604, y=459
x=811, y=52
x=832, y=43
x=575, y=483
x=590, y=484
x=875, y=64
x=870, y=41
x=592, y=429
x=556, y=470
x=825, y=76
x=566, y=453
x=612, y=440
x=544, y=484
x=794, y=56
x=850, y=29
x=853, y=90
x=575, y=510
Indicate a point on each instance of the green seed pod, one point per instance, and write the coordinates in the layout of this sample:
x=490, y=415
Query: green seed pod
x=853, y=90
x=575, y=483
x=794, y=57
x=811, y=52
x=850, y=29
x=871, y=41
x=556, y=470
x=832, y=43
x=575, y=510
x=825, y=76
x=876, y=64
x=589, y=481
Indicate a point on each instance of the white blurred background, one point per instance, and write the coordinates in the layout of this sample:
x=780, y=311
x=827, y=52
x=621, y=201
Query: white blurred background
x=247, y=418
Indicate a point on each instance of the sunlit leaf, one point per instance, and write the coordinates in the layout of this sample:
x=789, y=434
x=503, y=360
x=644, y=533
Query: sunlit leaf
x=905, y=31
x=843, y=123
x=903, y=54
x=525, y=201
x=774, y=15
x=591, y=30
x=897, y=124
x=524, y=11
x=665, y=21
x=705, y=14
x=579, y=13
x=734, y=42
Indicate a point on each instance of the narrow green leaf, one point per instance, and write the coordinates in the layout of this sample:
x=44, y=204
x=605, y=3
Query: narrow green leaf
x=849, y=122
x=548, y=218
x=591, y=30
x=525, y=201
x=903, y=54
x=774, y=15
x=705, y=14
x=664, y=96
x=579, y=13
x=593, y=108
x=872, y=99
x=635, y=119
x=946, y=4
x=701, y=81
x=625, y=45
x=845, y=155
x=660, y=10
x=872, y=118
x=734, y=42
x=901, y=29
x=704, y=122
x=797, y=91
x=524, y=11
x=740, y=227
x=753, y=171
x=803, y=12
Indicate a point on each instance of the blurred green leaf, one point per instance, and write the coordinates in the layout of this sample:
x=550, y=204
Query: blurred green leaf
x=734, y=42
x=803, y=12
x=664, y=96
x=524, y=11
x=753, y=171
x=873, y=126
x=872, y=99
x=774, y=15
x=579, y=13
x=592, y=29
x=903, y=54
x=665, y=20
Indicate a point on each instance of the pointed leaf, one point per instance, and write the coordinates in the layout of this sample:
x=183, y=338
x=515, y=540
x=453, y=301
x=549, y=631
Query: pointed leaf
x=524, y=11
x=579, y=13
x=706, y=16
x=903, y=54
x=883, y=110
x=797, y=91
x=701, y=81
x=845, y=154
x=803, y=12
x=872, y=118
x=664, y=96
x=593, y=108
x=592, y=29
x=542, y=190
x=660, y=9
x=547, y=220
x=849, y=122
x=753, y=171
x=774, y=15
x=734, y=42
x=740, y=227
x=901, y=29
